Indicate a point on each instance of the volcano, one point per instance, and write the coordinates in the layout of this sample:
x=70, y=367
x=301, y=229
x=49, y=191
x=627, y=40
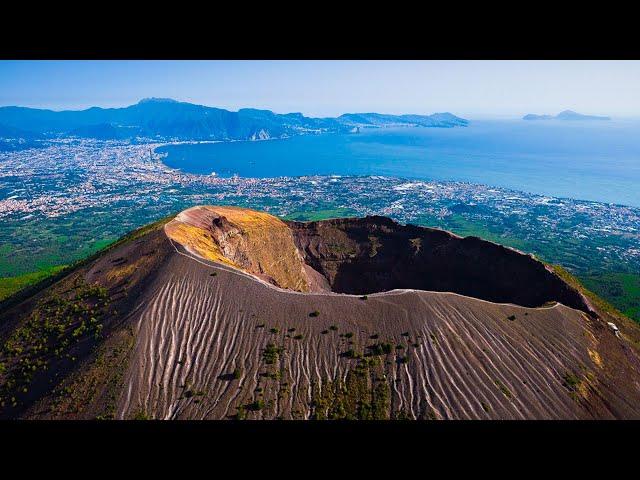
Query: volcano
x=229, y=313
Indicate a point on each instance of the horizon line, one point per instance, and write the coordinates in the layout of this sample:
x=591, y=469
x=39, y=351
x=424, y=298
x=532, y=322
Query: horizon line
x=169, y=99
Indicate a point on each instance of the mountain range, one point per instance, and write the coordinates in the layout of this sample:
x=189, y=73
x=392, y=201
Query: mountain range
x=223, y=312
x=166, y=119
x=564, y=115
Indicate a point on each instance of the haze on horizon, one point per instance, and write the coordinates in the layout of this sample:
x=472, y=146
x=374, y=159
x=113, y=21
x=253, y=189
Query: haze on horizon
x=329, y=88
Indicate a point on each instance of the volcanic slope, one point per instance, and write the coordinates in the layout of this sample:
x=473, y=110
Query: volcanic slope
x=224, y=313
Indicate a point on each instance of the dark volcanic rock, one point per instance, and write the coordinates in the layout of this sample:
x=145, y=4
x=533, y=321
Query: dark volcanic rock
x=373, y=254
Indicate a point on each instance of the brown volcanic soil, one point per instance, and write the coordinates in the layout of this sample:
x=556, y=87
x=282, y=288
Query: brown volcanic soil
x=189, y=338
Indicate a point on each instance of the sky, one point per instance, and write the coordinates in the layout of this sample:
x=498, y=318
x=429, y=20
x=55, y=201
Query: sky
x=328, y=88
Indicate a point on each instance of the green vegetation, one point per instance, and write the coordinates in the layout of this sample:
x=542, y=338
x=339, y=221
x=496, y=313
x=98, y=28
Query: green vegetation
x=511, y=317
x=275, y=375
x=365, y=395
x=241, y=413
x=575, y=385
x=315, y=313
x=10, y=285
x=379, y=349
x=40, y=244
x=351, y=354
x=47, y=337
x=271, y=353
x=593, y=298
x=621, y=289
x=571, y=381
x=101, y=247
x=71, y=250
x=255, y=406
x=95, y=388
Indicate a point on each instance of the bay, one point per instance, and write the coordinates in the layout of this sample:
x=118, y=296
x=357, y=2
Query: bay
x=597, y=161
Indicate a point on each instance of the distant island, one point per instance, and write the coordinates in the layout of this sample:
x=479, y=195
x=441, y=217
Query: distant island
x=167, y=120
x=565, y=115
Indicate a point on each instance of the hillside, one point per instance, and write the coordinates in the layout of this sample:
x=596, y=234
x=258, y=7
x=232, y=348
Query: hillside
x=223, y=313
x=168, y=119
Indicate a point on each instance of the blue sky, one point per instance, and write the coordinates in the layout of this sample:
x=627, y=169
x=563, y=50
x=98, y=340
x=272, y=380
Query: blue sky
x=327, y=88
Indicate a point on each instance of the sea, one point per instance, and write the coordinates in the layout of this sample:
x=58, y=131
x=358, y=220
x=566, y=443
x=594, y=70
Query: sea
x=586, y=160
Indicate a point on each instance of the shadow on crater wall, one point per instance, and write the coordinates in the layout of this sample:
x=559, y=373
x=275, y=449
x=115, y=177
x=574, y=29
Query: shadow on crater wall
x=373, y=254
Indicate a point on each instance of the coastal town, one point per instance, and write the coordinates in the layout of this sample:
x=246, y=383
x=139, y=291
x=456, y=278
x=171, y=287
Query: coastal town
x=104, y=189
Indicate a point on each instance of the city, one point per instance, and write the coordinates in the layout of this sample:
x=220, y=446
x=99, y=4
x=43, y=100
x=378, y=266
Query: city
x=105, y=189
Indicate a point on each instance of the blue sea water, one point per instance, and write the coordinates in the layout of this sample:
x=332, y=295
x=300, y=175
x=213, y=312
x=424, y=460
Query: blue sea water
x=597, y=161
